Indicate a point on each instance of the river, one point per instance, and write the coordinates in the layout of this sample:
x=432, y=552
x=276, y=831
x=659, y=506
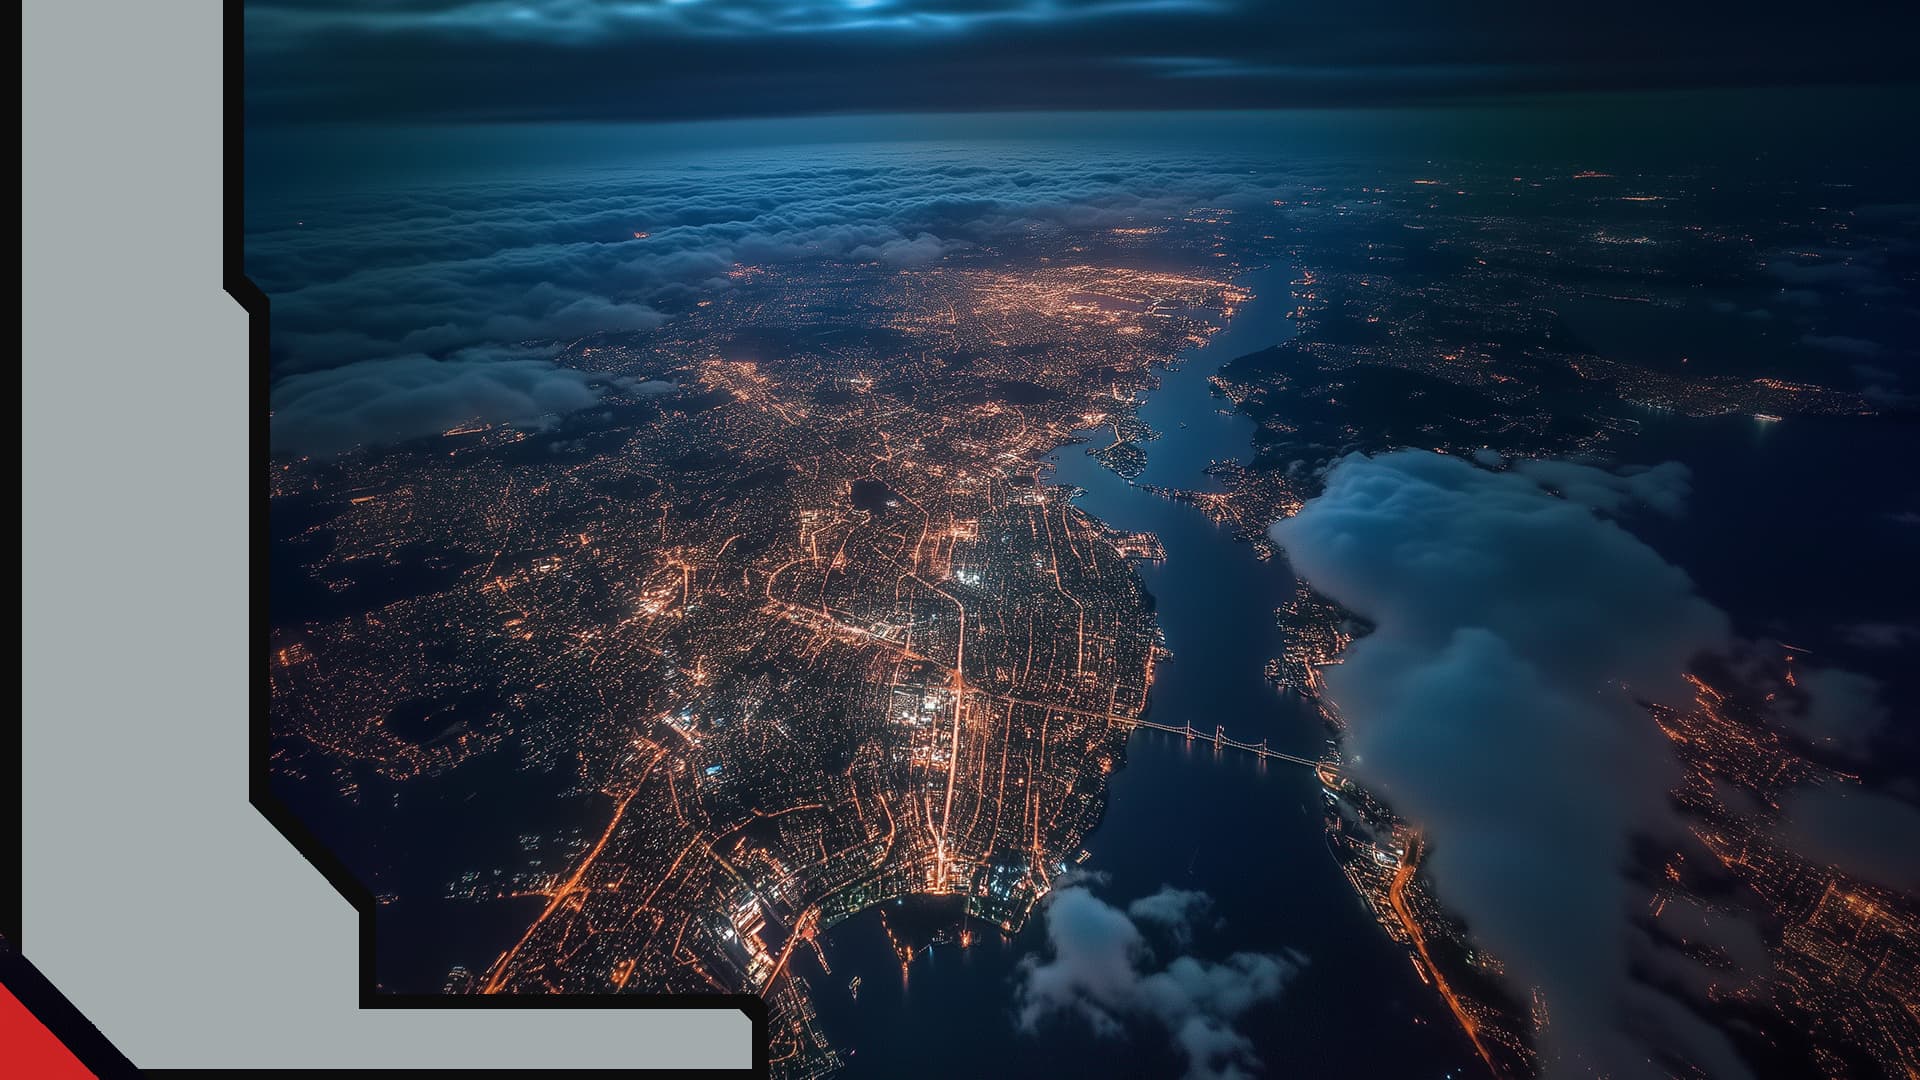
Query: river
x=1244, y=831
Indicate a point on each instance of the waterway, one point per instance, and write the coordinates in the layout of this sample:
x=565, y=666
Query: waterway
x=1246, y=832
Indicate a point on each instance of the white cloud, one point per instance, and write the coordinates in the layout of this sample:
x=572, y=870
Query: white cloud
x=1101, y=968
x=403, y=397
x=1494, y=702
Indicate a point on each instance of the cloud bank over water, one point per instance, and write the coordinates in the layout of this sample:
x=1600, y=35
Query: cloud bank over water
x=1101, y=967
x=1494, y=705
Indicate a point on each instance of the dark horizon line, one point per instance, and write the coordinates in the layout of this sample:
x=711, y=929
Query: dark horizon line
x=1463, y=99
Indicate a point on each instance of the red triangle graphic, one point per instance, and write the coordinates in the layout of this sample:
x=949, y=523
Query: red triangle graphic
x=27, y=1048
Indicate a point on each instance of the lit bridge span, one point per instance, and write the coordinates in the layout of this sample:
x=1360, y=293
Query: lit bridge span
x=1219, y=738
x=1220, y=741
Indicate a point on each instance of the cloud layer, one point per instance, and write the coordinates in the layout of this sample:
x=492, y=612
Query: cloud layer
x=380, y=295
x=1101, y=968
x=403, y=397
x=433, y=266
x=1494, y=703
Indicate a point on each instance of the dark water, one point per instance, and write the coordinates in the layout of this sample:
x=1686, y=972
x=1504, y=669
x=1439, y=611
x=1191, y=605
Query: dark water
x=1800, y=529
x=1245, y=832
x=421, y=932
x=1797, y=528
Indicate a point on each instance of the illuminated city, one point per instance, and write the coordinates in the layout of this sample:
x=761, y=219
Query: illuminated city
x=1153, y=594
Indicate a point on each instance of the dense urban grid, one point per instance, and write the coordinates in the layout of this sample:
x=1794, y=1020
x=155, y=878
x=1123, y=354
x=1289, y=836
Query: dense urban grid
x=797, y=623
x=808, y=624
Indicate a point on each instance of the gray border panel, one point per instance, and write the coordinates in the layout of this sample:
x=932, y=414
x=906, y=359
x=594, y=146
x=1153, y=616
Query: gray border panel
x=155, y=897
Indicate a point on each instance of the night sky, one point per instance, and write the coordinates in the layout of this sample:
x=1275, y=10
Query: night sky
x=440, y=60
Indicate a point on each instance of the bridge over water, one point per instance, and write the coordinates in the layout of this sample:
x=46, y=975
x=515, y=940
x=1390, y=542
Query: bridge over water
x=1219, y=738
x=1221, y=741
